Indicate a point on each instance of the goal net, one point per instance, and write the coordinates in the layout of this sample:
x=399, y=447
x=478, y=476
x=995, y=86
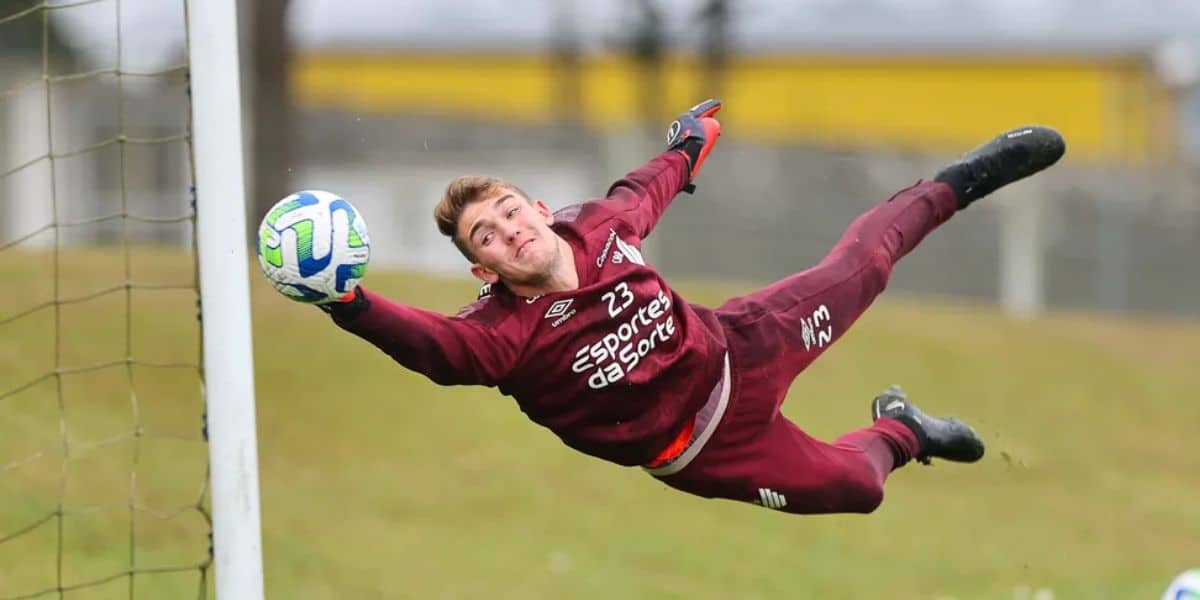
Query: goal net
x=105, y=457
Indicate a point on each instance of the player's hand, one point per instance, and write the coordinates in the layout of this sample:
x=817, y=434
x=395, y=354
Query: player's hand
x=694, y=134
x=348, y=305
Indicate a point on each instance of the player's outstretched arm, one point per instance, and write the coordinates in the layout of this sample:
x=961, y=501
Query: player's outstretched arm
x=313, y=247
x=644, y=194
x=448, y=350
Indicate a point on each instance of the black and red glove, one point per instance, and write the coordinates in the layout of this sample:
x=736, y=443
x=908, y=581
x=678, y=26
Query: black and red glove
x=348, y=306
x=694, y=134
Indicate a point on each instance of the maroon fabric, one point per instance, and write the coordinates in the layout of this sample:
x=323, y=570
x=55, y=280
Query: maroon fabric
x=773, y=334
x=615, y=368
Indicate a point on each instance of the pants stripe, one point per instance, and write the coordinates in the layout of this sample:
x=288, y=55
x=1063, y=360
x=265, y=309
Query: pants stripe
x=771, y=498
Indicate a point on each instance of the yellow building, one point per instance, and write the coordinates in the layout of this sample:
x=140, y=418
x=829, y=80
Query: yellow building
x=1111, y=108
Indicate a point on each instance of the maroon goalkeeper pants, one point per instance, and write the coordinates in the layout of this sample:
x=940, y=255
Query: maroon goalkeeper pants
x=756, y=454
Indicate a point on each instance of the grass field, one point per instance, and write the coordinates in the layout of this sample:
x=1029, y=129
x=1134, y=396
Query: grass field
x=378, y=484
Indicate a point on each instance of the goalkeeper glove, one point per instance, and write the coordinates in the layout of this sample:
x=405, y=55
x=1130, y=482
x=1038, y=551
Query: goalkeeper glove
x=693, y=134
x=348, y=306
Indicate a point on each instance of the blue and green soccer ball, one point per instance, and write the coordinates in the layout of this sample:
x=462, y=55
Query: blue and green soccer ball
x=313, y=246
x=1185, y=587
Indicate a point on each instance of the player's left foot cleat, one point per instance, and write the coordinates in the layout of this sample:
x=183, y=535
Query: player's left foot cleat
x=939, y=437
x=1011, y=156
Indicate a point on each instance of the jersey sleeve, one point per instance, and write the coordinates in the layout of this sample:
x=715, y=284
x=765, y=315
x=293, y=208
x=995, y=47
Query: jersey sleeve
x=448, y=350
x=641, y=197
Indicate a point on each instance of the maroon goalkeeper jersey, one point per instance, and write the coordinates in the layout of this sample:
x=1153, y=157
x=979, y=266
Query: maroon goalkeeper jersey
x=615, y=368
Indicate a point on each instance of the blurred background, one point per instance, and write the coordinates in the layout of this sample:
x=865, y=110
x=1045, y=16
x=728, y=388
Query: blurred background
x=1059, y=316
x=830, y=106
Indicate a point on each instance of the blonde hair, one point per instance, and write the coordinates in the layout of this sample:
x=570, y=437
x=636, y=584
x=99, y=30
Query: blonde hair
x=460, y=193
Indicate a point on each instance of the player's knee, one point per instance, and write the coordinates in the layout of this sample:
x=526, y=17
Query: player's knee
x=870, y=499
x=863, y=495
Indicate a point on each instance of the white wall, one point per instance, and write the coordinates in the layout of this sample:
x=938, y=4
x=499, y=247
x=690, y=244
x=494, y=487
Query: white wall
x=25, y=203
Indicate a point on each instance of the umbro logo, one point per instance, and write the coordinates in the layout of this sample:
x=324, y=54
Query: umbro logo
x=560, y=311
x=771, y=499
x=559, y=308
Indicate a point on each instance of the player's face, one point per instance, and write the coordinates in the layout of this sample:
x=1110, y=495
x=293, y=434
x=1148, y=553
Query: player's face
x=510, y=238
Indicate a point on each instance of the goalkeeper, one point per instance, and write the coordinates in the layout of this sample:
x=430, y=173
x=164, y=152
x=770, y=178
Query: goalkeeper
x=593, y=344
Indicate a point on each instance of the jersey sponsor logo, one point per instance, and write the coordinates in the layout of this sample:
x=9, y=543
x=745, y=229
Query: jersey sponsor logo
x=639, y=331
x=560, y=311
x=629, y=252
x=612, y=235
x=816, y=330
x=624, y=252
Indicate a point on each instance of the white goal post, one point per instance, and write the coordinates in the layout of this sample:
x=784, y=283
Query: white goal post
x=225, y=296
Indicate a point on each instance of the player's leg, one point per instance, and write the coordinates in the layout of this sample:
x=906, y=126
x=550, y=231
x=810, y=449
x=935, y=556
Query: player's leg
x=938, y=437
x=784, y=468
x=788, y=324
x=791, y=322
x=777, y=465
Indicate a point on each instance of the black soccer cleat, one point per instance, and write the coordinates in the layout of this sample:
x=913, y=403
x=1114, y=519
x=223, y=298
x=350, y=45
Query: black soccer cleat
x=946, y=438
x=1014, y=155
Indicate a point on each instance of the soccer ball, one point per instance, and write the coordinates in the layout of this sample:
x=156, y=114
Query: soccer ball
x=313, y=246
x=1184, y=587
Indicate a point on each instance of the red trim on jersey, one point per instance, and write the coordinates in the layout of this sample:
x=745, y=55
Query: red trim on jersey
x=676, y=447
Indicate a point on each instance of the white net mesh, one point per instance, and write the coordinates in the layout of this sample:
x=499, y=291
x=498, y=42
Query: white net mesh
x=103, y=460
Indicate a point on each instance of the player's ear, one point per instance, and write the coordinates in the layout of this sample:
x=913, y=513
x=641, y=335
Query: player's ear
x=544, y=210
x=484, y=274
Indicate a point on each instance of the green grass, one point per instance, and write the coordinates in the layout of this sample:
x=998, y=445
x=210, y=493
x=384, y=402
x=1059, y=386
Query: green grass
x=377, y=483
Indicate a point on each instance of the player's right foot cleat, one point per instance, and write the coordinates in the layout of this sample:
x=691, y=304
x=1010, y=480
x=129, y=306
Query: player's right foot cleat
x=1014, y=155
x=946, y=438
